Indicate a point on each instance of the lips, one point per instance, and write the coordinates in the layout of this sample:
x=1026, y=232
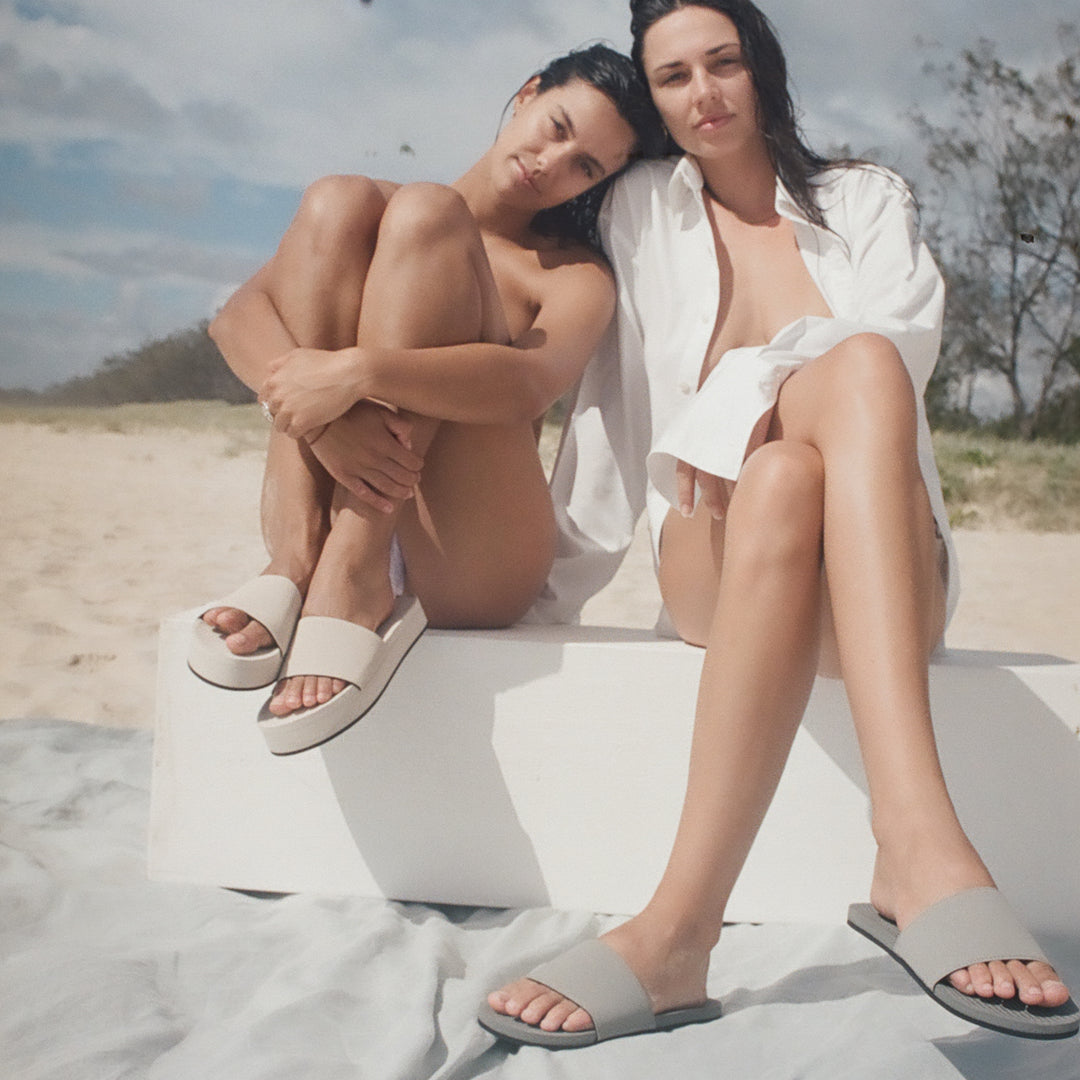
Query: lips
x=713, y=123
x=524, y=176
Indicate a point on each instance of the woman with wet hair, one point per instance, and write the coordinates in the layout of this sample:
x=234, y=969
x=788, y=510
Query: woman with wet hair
x=405, y=341
x=778, y=321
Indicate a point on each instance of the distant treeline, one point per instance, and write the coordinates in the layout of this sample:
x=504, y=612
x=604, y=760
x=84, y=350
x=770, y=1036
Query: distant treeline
x=185, y=366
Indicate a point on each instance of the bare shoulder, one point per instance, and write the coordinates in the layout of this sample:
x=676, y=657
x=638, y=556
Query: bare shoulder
x=574, y=266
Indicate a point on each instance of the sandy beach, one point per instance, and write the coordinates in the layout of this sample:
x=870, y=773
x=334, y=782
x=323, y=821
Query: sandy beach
x=105, y=532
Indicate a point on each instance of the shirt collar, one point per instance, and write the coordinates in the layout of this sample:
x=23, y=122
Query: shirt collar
x=687, y=183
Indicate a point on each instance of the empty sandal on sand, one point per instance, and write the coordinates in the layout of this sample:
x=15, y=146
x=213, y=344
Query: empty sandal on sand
x=363, y=659
x=597, y=979
x=972, y=927
x=271, y=600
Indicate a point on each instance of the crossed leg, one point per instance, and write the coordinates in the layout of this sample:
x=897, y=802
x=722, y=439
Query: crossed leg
x=838, y=483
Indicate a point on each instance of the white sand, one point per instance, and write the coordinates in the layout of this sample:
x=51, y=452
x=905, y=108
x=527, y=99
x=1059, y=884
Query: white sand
x=104, y=533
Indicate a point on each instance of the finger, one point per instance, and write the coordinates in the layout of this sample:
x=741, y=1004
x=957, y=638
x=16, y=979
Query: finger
x=366, y=494
x=392, y=488
x=685, y=481
x=401, y=427
x=713, y=494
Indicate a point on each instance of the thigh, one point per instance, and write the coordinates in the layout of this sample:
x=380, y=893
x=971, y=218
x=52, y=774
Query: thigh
x=691, y=555
x=851, y=400
x=479, y=539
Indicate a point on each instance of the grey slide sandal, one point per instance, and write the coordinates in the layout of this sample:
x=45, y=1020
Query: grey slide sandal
x=974, y=926
x=364, y=659
x=272, y=600
x=597, y=979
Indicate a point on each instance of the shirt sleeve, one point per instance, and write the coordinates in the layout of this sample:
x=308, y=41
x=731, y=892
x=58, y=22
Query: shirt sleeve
x=898, y=290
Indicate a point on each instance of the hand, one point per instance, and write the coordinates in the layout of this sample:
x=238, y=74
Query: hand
x=368, y=451
x=715, y=491
x=307, y=388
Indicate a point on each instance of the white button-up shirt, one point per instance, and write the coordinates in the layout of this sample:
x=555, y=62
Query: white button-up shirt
x=639, y=409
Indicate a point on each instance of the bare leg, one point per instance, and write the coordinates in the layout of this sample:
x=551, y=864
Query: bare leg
x=430, y=284
x=311, y=292
x=749, y=589
x=853, y=411
x=856, y=406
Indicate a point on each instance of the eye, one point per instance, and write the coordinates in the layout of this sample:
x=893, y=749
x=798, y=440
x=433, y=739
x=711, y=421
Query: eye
x=558, y=127
x=726, y=64
x=587, y=168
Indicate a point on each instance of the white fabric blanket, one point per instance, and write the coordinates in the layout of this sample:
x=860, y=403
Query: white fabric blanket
x=105, y=975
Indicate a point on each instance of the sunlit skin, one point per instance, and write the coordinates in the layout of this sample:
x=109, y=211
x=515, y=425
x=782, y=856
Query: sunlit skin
x=741, y=575
x=444, y=302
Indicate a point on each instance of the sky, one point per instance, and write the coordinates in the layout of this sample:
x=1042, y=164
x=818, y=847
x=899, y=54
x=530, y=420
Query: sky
x=153, y=151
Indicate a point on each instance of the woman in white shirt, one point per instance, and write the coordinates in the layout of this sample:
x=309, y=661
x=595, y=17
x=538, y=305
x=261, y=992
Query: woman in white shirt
x=761, y=397
x=404, y=340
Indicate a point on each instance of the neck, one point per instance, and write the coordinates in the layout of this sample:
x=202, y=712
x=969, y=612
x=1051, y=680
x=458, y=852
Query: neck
x=492, y=215
x=746, y=187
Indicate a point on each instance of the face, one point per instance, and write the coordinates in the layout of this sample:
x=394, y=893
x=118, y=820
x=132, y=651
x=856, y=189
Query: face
x=700, y=81
x=560, y=143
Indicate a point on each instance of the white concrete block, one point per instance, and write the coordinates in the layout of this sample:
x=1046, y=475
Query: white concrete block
x=546, y=765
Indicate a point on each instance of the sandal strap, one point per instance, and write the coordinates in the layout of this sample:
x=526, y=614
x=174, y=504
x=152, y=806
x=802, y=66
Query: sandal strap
x=596, y=978
x=335, y=648
x=971, y=927
x=270, y=599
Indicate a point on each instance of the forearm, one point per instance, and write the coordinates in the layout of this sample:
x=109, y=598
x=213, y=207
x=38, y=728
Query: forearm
x=476, y=383
x=250, y=334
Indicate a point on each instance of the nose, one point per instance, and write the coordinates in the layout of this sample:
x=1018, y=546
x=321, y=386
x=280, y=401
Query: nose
x=554, y=155
x=702, y=85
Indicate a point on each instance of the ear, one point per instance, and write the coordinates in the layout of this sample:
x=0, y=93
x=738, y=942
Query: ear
x=527, y=92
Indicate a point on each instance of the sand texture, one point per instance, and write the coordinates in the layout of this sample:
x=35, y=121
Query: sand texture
x=103, y=533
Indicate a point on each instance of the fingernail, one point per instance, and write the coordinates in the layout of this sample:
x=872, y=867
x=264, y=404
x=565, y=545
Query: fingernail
x=686, y=510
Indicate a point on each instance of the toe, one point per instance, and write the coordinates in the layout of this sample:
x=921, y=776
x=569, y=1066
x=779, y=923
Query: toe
x=578, y=1020
x=974, y=980
x=1054, y=991
x=511, y=1000
x=1028, y=988
x=248, y=638
x=558, y=1015
x=1004, y=985
x=537, y=1010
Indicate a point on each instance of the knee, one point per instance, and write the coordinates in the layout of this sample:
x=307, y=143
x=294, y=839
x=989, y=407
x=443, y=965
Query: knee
x=873, y=384
x=421, y=215
x=343, y=211
x=779, y=501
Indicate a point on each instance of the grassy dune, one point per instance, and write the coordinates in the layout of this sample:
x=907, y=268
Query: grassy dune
x=989, y=482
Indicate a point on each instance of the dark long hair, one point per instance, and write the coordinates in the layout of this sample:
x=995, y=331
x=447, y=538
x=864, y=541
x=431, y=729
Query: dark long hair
x=795, y=163
x=619, y=79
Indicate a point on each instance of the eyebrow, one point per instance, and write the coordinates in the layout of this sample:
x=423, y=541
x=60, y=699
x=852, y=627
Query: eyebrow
x=565, y=116
x=715, y=51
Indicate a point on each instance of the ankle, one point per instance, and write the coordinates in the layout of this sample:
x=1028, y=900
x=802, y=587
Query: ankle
x=677, y=929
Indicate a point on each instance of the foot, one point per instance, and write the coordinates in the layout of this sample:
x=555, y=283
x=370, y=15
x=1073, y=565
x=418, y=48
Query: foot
x=671, y=972
x=243, y=635
x=340, y=592
x=907, y=883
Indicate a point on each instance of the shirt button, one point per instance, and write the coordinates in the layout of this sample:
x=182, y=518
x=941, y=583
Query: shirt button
x=684, y=388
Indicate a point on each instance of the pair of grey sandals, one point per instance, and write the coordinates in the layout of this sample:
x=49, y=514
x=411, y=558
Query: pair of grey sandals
x=973, y=926
x=365, y=660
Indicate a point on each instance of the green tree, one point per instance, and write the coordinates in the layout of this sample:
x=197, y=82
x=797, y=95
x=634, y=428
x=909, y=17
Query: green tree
x=185, y=365
x=1004, y=214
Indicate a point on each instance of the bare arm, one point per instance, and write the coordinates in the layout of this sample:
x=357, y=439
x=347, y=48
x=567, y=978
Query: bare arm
x=249, y=331
x=474, y=383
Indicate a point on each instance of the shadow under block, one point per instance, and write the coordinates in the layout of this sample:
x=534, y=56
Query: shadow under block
x=545, y=766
